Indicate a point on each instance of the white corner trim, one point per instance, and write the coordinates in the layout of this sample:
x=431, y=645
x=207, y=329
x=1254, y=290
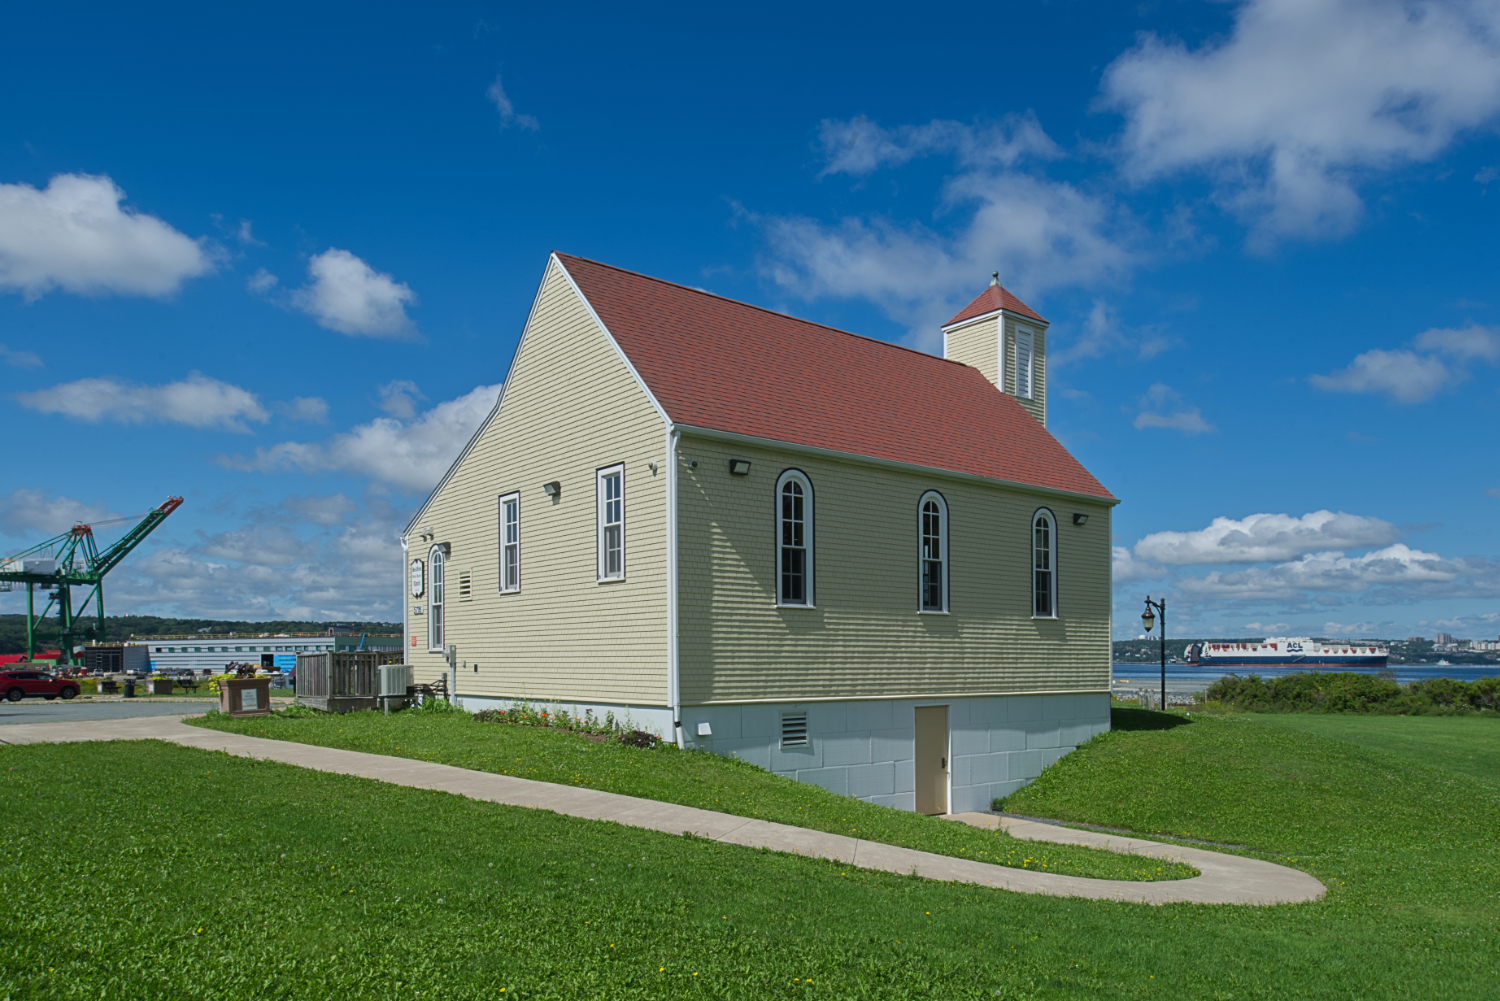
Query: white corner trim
x=674, y=676
x=660, y=410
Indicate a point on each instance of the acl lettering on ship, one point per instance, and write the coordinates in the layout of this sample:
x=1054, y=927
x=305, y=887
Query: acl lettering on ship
x=1282, y=651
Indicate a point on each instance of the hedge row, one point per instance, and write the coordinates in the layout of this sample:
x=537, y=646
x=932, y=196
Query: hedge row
x=1320, y=692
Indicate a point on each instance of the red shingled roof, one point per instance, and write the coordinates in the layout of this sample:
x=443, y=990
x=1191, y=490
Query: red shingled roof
x=716, y=363
x=993, y=298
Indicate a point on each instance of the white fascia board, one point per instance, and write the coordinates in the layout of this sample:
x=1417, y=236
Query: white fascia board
x=660, y=410
x=870, y=460
x=494, y=412
x=1018, y=317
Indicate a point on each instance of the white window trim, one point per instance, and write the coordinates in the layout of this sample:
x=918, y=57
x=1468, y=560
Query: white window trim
x=808, y=534
x=599, y=477
x=437, y=589
x=1029, y=339
x=505, y=499
x=942, y=503
x=1031, y=558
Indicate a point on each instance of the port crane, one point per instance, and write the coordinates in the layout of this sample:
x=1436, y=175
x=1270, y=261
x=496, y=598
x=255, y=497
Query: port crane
x=73, y=559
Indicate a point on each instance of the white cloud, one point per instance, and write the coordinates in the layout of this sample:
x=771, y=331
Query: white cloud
x=860, y=146
x=1125, y=567
x=1265, y=538
x=332, y=509
x=1304, y=99
x=1154, y=406
x=304, y=408
x=347, y=295
x=1040, y=235
x=261, y=282
x=409, y=455
x=74, y=235
x=19, y=359
x=1408, y=377
x=399, y=398
x=502, y=103
x=196, y=401
x=1331, y=571
x=30, y=512
x=246, y=235
x=1269, y=628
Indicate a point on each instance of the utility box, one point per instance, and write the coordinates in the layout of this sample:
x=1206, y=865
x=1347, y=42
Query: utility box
x=245, y=696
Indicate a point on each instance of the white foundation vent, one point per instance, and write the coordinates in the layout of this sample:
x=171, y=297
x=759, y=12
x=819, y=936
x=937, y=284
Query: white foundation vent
x=794, y=730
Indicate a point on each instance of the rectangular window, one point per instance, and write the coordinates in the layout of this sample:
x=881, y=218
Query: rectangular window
x=611, y=489
x=1023, y=363
x=510, y=543
x=465, y=585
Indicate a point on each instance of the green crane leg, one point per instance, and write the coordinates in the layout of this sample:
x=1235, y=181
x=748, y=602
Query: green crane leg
x=30, y=621
x=65, y=611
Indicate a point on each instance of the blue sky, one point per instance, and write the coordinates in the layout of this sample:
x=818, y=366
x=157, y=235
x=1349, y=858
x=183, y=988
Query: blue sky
x=276, y=260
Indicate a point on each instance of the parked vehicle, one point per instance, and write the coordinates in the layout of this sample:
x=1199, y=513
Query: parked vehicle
x=17, y=685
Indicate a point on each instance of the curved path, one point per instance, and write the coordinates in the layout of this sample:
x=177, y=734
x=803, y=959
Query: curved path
x=1224, y=879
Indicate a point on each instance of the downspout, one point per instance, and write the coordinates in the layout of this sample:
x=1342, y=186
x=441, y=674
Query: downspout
x=674, y=692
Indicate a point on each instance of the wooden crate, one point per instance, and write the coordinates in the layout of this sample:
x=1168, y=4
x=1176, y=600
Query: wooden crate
x=341, y=681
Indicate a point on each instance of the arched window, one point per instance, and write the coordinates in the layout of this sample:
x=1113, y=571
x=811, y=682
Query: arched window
x=794, y=542
x=1043, y=565
x=435, y=561
x=932, y=551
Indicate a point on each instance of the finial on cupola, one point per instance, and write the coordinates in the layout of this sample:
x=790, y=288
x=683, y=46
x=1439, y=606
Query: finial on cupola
x=994, y=278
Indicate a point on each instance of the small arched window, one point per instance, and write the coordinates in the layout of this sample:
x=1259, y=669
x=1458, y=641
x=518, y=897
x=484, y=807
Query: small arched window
x=932, y=552
x=435, y=561
x=1043, y=565
x=794, y=540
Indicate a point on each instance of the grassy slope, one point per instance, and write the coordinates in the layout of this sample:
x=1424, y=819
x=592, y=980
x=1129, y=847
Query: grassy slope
x=577, y=909
x=708, y=781
x=1466, y=744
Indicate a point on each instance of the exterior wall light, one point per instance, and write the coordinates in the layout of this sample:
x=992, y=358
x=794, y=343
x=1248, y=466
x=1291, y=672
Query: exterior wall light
x=1079, y=518
x=553, y=489
x=739, y=467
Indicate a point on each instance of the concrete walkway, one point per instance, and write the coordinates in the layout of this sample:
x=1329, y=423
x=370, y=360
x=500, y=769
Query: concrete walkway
x=1225, y=879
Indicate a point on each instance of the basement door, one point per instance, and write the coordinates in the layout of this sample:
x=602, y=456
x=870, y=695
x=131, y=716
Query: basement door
x=932, y=759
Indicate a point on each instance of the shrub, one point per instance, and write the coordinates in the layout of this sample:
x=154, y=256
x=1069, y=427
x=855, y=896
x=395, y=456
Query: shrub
x=1350, y=692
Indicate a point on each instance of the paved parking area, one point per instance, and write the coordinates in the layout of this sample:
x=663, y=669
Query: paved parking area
x=58, y=711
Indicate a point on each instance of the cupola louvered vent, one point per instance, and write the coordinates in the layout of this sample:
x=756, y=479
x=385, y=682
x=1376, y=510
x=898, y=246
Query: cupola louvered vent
x=794, y=730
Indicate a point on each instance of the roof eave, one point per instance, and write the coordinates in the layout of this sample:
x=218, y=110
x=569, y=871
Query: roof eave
x=734, y=436
x=1028, y=317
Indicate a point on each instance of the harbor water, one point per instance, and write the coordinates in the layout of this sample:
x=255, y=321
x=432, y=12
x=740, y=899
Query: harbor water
x=1184, y=678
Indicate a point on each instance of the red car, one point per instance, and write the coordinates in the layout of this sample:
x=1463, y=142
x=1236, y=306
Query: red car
x=16, y=685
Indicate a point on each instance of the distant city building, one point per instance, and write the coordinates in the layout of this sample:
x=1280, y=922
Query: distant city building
x=1416, y=639
x=1442, y=639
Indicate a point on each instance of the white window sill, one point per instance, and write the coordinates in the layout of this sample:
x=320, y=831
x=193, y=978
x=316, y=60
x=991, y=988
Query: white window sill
x=1045, y=618
x=932, y=611
x=781, y=605
x=609, y=580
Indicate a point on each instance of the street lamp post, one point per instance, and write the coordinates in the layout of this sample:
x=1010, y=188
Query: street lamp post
x=1148, y=620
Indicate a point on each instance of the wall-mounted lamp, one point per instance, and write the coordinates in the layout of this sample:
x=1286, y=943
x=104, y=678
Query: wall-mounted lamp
x=692, y=463
x=553, y=489
x=1079, y=518
x=653, y=467
x=739, y=467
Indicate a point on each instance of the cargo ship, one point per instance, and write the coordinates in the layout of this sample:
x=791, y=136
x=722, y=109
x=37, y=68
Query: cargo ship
x=1294, y=652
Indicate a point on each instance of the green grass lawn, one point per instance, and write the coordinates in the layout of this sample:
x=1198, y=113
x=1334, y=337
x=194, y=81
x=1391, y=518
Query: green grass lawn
x=1466, y=744
x=699, y=779
x=237, y=879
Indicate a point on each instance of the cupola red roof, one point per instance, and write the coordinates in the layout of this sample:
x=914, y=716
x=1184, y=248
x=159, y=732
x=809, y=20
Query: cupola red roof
x=728, y=366
x=994, y=298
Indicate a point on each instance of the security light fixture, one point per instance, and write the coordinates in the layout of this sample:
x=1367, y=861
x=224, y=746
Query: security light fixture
x=739, y=467
x=1079, y=518
x=552, y=489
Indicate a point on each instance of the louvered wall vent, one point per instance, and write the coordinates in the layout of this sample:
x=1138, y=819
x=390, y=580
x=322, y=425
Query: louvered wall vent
x=794, y=730
x=465, y=585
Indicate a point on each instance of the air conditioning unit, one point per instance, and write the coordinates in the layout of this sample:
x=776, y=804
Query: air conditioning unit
x=395, y=679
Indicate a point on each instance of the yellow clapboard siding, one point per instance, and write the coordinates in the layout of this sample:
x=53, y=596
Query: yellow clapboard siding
x=973, y=344
x=865, y=638
x=571, y=407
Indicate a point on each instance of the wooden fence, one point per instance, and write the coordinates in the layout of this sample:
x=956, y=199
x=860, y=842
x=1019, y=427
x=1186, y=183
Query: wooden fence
x=343, y=680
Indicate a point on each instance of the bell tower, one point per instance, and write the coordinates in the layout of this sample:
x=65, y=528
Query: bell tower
x=1007, y=341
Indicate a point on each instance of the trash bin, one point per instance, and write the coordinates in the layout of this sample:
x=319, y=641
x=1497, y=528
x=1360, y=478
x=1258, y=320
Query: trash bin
x=130, y=688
